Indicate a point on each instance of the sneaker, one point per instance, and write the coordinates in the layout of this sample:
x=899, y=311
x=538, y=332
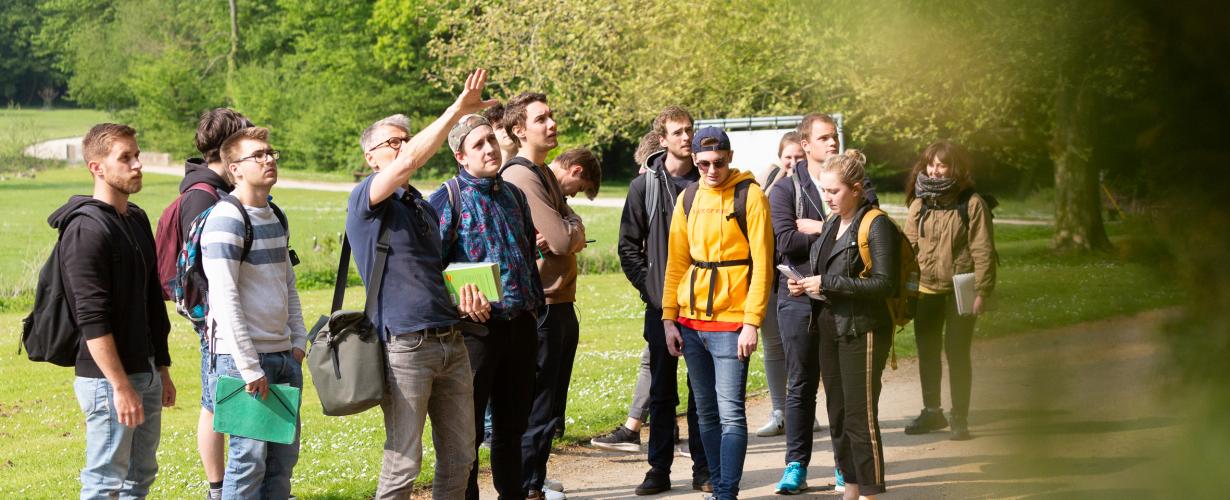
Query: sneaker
x=929, y=420
x=776, y=425
x=545, y=495
x=794, y=479
x=655, y=482
x=701, y=482
x=682, y=450
x=620, y=439
x=553, y=485
x=839, y=482
x=213, y=494
x=960, y=429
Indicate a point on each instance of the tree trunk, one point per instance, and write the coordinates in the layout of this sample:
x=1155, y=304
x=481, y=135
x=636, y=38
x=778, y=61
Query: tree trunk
x=230, y=56
x=1078, y=203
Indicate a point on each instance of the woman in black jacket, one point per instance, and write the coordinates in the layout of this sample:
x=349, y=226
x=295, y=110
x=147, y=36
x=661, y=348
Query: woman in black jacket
x=852, y=320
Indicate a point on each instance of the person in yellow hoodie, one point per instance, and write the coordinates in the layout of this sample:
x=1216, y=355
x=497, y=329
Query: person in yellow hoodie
x=718, y=271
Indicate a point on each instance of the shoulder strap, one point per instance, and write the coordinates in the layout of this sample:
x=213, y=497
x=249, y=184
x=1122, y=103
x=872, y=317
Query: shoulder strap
x=963, y=206
x=772, y=176
x=247, y=225
x=343, y=270
x=740, y=213
x=864, y=236
x=537, y=171
x=689, y=195
x=798, y=195
x=454, y=198
x=203, y=186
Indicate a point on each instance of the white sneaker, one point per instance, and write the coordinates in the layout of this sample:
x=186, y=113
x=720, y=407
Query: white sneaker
x=552, y=485
x=550, y=494
x=776, y=425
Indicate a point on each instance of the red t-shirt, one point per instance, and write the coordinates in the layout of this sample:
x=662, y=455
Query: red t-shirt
x=709, y=326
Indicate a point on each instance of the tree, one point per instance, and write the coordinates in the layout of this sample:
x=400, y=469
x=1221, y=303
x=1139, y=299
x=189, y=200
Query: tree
x=25, y=70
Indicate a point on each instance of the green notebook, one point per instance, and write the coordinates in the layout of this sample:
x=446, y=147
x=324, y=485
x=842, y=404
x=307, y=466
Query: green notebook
x=484, y=275
x=241, y=414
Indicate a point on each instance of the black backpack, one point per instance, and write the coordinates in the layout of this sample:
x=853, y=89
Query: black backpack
x=740, y=213
x=50, y=332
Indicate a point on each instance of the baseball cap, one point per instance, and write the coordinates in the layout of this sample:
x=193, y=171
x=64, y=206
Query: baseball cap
x=723, y=141
x=463, y=128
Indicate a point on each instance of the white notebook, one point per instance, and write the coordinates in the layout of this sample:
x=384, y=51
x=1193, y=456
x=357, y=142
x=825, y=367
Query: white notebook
x=964, y=293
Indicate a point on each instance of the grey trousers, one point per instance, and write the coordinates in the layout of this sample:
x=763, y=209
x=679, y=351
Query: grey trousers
x=639, y=409
x=427, y=375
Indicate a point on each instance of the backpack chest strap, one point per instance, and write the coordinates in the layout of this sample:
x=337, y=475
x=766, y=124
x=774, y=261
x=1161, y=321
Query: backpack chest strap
x=712, y=266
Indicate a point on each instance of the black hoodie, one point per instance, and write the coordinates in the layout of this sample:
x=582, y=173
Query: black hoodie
x=197, y=171
x=644, y=226
x=111, y=278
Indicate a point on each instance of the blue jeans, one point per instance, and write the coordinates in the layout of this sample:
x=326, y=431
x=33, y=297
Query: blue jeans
x=119, y=462
x=719, y=380
x=255, y=468
x=207, y=396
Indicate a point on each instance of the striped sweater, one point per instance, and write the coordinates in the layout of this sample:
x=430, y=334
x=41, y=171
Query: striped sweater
x=253, y=304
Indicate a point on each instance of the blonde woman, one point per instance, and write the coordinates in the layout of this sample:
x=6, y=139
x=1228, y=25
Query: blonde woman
x=852, y=320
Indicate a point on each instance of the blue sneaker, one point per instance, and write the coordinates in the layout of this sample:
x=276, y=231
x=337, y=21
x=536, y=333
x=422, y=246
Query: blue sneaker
x=794, y=479
x=840, y=483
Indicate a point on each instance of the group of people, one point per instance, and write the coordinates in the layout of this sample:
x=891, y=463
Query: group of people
x=701, y=241
x=698, y=239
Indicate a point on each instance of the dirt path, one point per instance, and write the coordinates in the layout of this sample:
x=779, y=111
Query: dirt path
x=1064, y=413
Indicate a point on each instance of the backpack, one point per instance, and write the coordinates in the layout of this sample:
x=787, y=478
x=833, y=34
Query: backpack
x=740, y=213
x=49, y=333
x=962, y=209
x=903, y=303
x=190, y=287
x=168, y=240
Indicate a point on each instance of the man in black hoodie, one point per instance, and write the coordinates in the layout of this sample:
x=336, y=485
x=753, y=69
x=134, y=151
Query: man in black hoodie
x=208, y=172
x=644, y=230
x=111, y=278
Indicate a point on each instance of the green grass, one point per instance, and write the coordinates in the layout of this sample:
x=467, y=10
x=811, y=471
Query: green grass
x=316, y=217
x=41, y=431
x=41, y=125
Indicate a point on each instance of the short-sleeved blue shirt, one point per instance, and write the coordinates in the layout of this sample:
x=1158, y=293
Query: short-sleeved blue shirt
x=412, y=295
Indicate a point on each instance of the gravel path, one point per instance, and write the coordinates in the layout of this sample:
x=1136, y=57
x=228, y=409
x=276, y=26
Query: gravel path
x=1065, y=413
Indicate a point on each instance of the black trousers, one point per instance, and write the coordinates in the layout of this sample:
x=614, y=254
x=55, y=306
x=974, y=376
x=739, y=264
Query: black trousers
x=664, y=398
x=851, y=366
x=503, y=367
x=558, y=333
x=934, y=311
x=802, y=347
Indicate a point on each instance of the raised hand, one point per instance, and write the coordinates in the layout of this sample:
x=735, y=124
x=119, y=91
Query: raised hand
x=470, y=100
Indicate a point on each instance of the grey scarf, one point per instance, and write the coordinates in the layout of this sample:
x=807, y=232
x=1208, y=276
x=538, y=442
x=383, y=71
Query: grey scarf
x=933, y=191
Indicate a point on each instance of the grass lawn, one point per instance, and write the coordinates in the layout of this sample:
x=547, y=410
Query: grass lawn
x=41, y=430
x=41, y=125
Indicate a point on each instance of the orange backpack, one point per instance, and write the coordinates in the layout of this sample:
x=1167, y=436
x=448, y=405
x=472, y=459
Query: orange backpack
x=904, y=301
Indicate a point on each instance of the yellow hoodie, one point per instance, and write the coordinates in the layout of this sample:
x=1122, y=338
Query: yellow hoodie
x=707, y=235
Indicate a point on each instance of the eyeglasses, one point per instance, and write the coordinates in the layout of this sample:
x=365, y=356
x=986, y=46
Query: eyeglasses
x=393, y=142
x=705, y=164
x=262, y=156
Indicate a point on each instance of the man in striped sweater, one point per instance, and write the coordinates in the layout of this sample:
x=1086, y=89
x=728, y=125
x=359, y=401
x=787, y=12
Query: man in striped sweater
x=254, y=312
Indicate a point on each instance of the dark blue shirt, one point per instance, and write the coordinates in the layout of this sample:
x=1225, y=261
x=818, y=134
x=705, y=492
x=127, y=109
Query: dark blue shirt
x=412, y=294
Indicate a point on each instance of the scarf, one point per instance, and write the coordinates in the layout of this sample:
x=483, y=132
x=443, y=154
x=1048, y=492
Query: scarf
x=493, y=228
x=935, y=192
